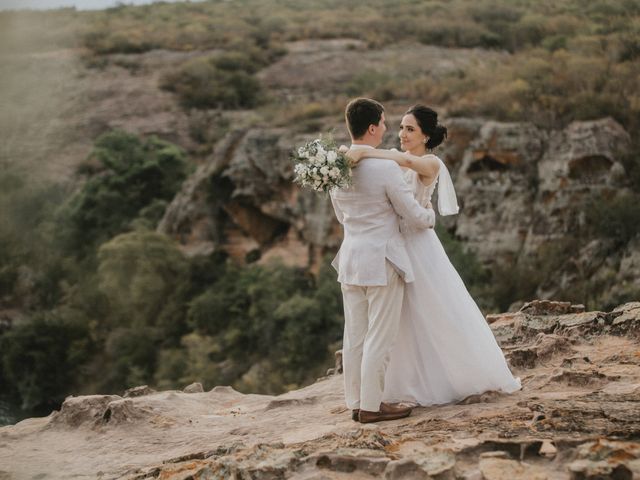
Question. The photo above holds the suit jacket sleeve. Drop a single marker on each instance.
(404, 203)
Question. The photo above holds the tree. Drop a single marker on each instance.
(133, 173)
(41, 358)
(145, 278)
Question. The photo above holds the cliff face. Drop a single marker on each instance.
(523, 189)
(576, 417)
(519, 188)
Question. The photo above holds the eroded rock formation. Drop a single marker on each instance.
(521, 189)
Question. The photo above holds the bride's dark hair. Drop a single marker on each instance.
(428, 122)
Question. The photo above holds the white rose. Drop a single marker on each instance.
(335, 171)
(324, 170)
(332, 156)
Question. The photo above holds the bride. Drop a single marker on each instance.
(445, 350)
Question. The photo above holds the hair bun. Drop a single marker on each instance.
(437, 136)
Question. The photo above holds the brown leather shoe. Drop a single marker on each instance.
(354, 415)
(386, 412)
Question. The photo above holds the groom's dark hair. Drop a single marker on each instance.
(360, 113)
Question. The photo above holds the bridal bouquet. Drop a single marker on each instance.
(320, 166)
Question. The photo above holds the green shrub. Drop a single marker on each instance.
(238, 61)
(202, 83)
(617, 218)
(270, 315)
(40, 359)
(630, 47)
(131, 355)
(365, 82)
(145, 277)
(105, 42)
(135, 174)
(513, 282)
(200, 358)
(555, 42)
(207, 127)
(457, 33)
(26, 239)
(631, 162)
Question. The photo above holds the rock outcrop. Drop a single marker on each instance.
(576, 417)
(242, 201)
(521, 189)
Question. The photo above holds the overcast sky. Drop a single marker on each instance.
(79, 4)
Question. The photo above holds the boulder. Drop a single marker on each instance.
(195, 387)
(86, 410)
(138, 391)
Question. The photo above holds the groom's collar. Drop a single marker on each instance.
(359, 146)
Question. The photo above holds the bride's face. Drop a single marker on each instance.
(411, 137)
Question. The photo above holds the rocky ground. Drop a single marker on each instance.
(577, 417)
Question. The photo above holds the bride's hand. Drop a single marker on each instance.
(354, 155)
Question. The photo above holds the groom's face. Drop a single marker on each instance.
(378, 131)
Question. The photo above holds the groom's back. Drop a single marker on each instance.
(370, 178)
(371, 230)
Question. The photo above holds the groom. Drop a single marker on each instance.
(372, 264)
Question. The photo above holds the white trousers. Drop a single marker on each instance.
(371, 322)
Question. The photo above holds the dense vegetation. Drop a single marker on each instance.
(111, 304)
(107, 303)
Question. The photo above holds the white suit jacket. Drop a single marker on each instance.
(369, 211)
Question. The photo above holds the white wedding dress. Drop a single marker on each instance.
(445, 350)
